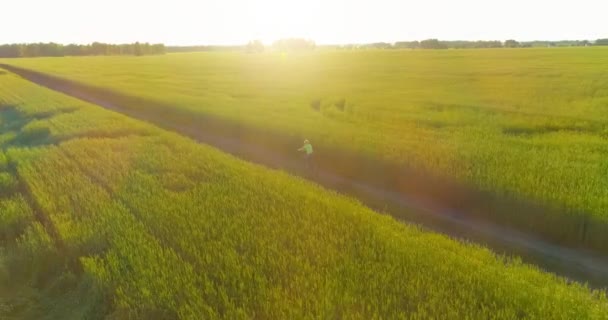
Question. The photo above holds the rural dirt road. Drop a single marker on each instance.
(434, 204)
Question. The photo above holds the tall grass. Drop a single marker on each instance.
(529, 122)
(129, 221)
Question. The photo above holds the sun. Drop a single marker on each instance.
(271, 20)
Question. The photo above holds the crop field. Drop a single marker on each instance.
(106, 216)
(524, 123)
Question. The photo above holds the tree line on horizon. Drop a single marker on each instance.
(463, 44)
(288, 44)
(298, 44)
(24, 50)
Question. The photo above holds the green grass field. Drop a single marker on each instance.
(529, 123)
(102, 215)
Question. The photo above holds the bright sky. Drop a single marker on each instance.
(183, 22)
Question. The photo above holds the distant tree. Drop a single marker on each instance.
(535, 44)
(511, 44)
(137, 49)
(433, 44)
(488, 44)
(379, 45)
(10, 51)
(126, 49)
(52, 50)
(601, 42)
(407, 45)
(95, 48)
(114, 50)
(72, 50)
(146, 49)
(461, 44)
(158, 48)
(30, 50)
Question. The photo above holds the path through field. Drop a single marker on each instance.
(438, 206)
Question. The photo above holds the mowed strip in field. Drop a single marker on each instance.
(105, 215)
(528, 123)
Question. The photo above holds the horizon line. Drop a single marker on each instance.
(319, 44)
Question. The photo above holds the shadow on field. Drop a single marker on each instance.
(15, 123)
(563, 242)
(14, 132)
